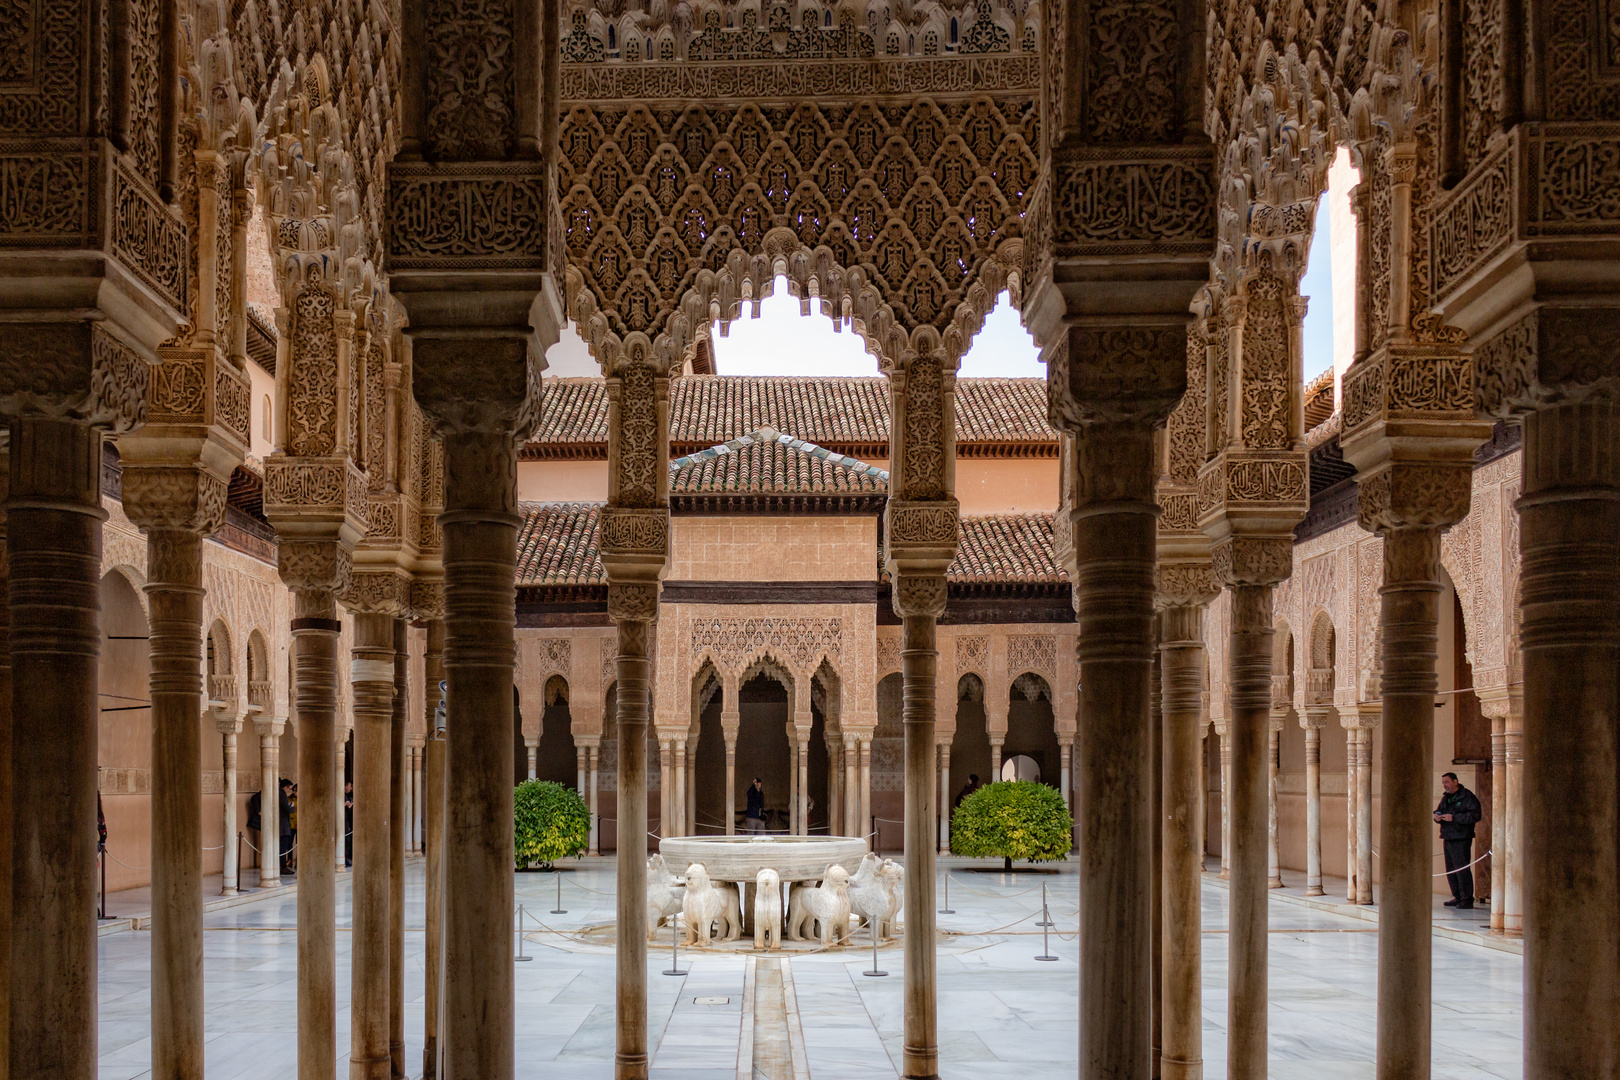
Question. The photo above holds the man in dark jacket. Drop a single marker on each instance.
(1457, 813)
(754, 815)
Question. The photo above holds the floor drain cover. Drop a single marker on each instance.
(711, 1001)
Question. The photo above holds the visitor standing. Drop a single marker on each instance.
(285, 819)
(754, 816)
(967, 789)
(1457, 813)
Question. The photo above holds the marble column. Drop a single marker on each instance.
(595, 750)
(479, 524)
(1223, 732)
(666, 758)
(1498, 842)
(399, 830)
(1181, 652)
(315, 629)
(1314, 720)
(731, 782)
(1352, 802)
(1273, 855)
(343, 769)
(1569, 519)
(1249, 654)
(371, 674)
(433, 787)
(175, 528)
(854, 823)
(865, 785)
(6, 736)
(579, 769)
(995, 760)
(230, 875)
(1409, 624)
(1364, 795)
(678, 800)
(1513, 836)
(945, 798)
(269, 801)
(53, 541)
(532, 746)
(1065, 759)
(634, 610)
(1114, 544)
(689, 785)
(919, 601)
(802, 746)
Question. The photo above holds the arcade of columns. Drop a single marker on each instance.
(1144, 180)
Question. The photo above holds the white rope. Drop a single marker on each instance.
(1444, 873)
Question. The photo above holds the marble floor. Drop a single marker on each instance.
(1002, 1013)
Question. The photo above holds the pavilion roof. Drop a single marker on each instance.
(848, 415)
(767, 461)
(558, 545)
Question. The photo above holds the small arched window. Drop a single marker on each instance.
(953, 31)
(612, 42)
(266, 418)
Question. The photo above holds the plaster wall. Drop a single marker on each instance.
(773, 548)
(562, 481)
(1007, 485)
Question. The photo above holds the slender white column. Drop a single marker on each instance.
(579, 770)
(678, 799)
(1273, 855)
(1513, 774)
(228, 729)
(793, 783)
(1352, 796)
(664, 788)
(371, 679)
(342, 826)
(533, 747)
(1223, 730)
(1065, 757)
(854, 823)
(803, 752)
(596, 816)
(866, 785)
(944, 798)
(269, 801)
(1313, 721)
(995, 759)
(1364, 793)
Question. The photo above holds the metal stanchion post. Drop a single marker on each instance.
(101, 857)
(947, 909)
(520, 955)
(1046, 929)
(674, 950)
(559, 909)
(872, 924)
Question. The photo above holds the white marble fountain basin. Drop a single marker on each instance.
(741, 858)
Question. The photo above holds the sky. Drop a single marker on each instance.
(782, 342)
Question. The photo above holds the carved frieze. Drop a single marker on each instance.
(1552, 354)
(1414, 495)
(779, 80)
(1148, 200)
(188, 499)
(635, 530)
(802, 642)
(484, 215)
(149, 237)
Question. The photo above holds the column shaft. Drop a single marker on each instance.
(666, 758)
(678, 800)
(1182, 663)
(1513, 833)
(269, 808)
(231, 873)
(480, 653)
(1273, 855)
(175, 596)
(343, 769)
(1570, 597)
(945, 798)
(1226, 800)
(803, 753)
(399, 828)
(919, 663)
(1250, 681)
(1352, 796)
(634, 667)
(854, 824)
(1364, 785)
(865, 784)
(1498, 839)
(596, 817)
(53, 540)
(315, 663)
(1409, 622)
(1114, 547)
(731, 784)
(372, 687)
(433, 782)
(1313, 809)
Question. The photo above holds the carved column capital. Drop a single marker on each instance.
(633, 602)
(313, 566)
(1184, 585)
(373, 590)
(1314, 716)
(427, 598)
(271, 726)
(1363, 717)
(1249, 560)
(919, 595)
(73, 371)
(1414, 495)
(183, 497)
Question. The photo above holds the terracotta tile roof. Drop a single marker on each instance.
(843, 413)
(767, 461)
(558, 544)
(1005, 548)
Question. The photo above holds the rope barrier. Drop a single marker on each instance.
(1444, 873)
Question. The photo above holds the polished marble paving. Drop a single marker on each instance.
(1001, 1012)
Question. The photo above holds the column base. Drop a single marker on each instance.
(1173, 1069)
(1315, 892)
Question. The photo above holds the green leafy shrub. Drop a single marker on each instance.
(1016, 819)
(549, 822)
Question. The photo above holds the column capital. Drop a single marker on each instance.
(377, 590)
(919, 595)
(228, 725)
(271, 726)
(1315, 716)
(1364, 716)
(1184, 585)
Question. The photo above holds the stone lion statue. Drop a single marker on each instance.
(664, 894)
(768, 910)
(826, 906)
(702, 905)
